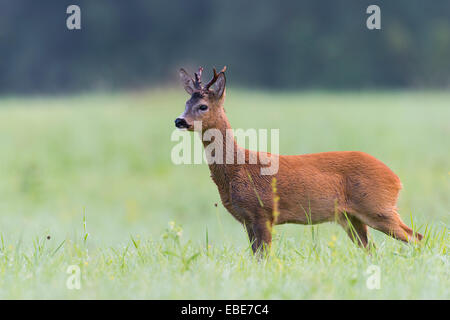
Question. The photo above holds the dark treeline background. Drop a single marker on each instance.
(288, 44)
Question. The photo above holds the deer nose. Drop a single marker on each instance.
(181, 123)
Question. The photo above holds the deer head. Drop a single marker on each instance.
(205, 103)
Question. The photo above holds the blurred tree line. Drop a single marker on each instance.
(289, 44)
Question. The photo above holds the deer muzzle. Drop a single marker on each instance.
(180, 123)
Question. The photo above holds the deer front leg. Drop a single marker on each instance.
(260, 236)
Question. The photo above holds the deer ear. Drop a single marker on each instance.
(187, 81)
(219, 86)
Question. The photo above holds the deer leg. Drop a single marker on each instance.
(356, 230)
(260, 236)
(250, 233)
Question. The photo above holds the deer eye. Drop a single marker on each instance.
(203, 107)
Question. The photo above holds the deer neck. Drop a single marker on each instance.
(222, 171)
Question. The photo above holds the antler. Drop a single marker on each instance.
(214, 79)
(198, 79)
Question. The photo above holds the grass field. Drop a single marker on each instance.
(88, 181)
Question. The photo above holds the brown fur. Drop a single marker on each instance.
(351, 188)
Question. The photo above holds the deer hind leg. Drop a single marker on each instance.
(356, 230)
(391, 224)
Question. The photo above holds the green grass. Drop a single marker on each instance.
(106, 157)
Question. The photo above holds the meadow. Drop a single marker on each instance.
(87, 180)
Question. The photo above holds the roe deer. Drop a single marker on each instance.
(351, 188)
